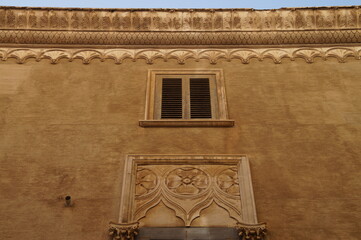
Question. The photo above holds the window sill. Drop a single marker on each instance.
(186, 123)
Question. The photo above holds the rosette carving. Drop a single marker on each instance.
(146, 181)
(187, 181)
(228, 181)
(188, 190)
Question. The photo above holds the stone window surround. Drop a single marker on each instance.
(150, 106)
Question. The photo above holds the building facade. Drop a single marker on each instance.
(180, 123)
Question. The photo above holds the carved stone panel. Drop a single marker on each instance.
(201, 191)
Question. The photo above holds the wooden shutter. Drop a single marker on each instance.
(200, 98)
(172, 98)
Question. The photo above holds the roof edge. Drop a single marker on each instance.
(178, 9)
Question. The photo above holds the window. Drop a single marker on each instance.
(186, 98)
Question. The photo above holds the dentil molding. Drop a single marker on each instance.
(119, 55)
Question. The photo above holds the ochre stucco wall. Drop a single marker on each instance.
(66, 128)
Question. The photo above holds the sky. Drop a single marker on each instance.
(257, 4)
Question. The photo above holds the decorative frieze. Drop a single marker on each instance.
(180, 19)
(119, 55)
(179, 27)
(178, 38)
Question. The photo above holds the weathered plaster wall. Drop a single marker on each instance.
(66, 128)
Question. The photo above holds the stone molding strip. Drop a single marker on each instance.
(118, 55)
(178, 39)
(71, 19)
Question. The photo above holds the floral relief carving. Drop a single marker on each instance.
(289, 21)
(192, 188)
(177, 20)
(11, 18)
(54, 20)
(218, 19)
(75, 21)
(228, 181)
(106, 24)
(247, 20)
(186, 189)
(44, 20)
(85, 21)
(21, 22)
(187, 181)
(136, 21)
(180, 27)
(203, 19)
(162, 21)
(33, 22)
(95, 21)
(146, 181)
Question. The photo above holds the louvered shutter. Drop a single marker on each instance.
(200, 98)
(171, 98)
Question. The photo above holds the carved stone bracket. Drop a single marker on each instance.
(123, 231)
(119, 55)
(251, 231)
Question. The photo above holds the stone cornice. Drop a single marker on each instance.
(178, 27)
(118, 55)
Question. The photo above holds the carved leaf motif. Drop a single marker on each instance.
(340, 54)
(21, 55)
(119, 55)
(149, 55)
(212, 56)
(307, 54)
(244, 55)
(87, 56)
(55, 55)
(181, 56)
(276, 55)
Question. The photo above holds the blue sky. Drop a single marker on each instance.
(258, 4)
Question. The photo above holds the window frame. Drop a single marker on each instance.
(185, 78)
(219, 104)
